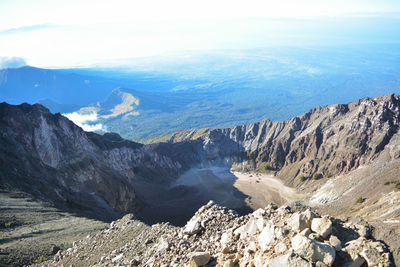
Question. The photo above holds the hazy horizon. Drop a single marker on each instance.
(65, 34)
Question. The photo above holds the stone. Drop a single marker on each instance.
(280, 248)
(260, 222)
(252, 247)
(306, 232)
(356, 262)
(322, 226)
(299, 221)
(266, 237)
(199, 258)
(313, 250)
(372, 257)
(228, 263)
(335, 242)
(192, 227)
(250, 228)
(117, 258)
(289, 259)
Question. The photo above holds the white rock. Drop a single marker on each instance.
(280, 248)
(260, 222)
(250, 228)
(117, 258)
(266, 237)
(299, 221)
(192, 227)
(313, 250)
(322, 226)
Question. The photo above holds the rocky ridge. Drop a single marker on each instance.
(326, 141)
(53, 159)
(217, 236)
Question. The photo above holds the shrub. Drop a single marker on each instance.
(387, 183)
(302, 178)
(268, 167)
(316, 176)
(40, 259)
(397, 186)
(360, 200)
(9, 224)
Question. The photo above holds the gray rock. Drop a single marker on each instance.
(335, 242)
(199, 258)
(306, 232)
(313, 250)
(289, 259)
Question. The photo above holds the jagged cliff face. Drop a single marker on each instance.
(327, 140)
(49, 156)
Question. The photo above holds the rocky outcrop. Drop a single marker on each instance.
(267, 237)
(323, 142)
(50, 157)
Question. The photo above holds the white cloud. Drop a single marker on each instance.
(82, 121)
(11, 62)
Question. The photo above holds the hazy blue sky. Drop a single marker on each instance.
(77, 33)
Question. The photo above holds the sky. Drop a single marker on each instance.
(70, 33)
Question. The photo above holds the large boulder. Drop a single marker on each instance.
(322, 226)
(313, 250)
(300, 221)
(266, 237)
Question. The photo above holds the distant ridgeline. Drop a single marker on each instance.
(218, 89)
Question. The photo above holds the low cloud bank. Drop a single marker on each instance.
(85, 121)
(11, 62)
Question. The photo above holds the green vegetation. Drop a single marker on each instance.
(397, 186)
(360, 200)
(40, 259)
(316, 176)
(10, 224)
(302, 178)
(268, 167)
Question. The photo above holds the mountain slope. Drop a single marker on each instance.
(327, 140)
(332, 156)
(50, 157)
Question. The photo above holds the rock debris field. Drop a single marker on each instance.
(217, 236)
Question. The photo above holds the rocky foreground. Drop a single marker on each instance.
(216, 236)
